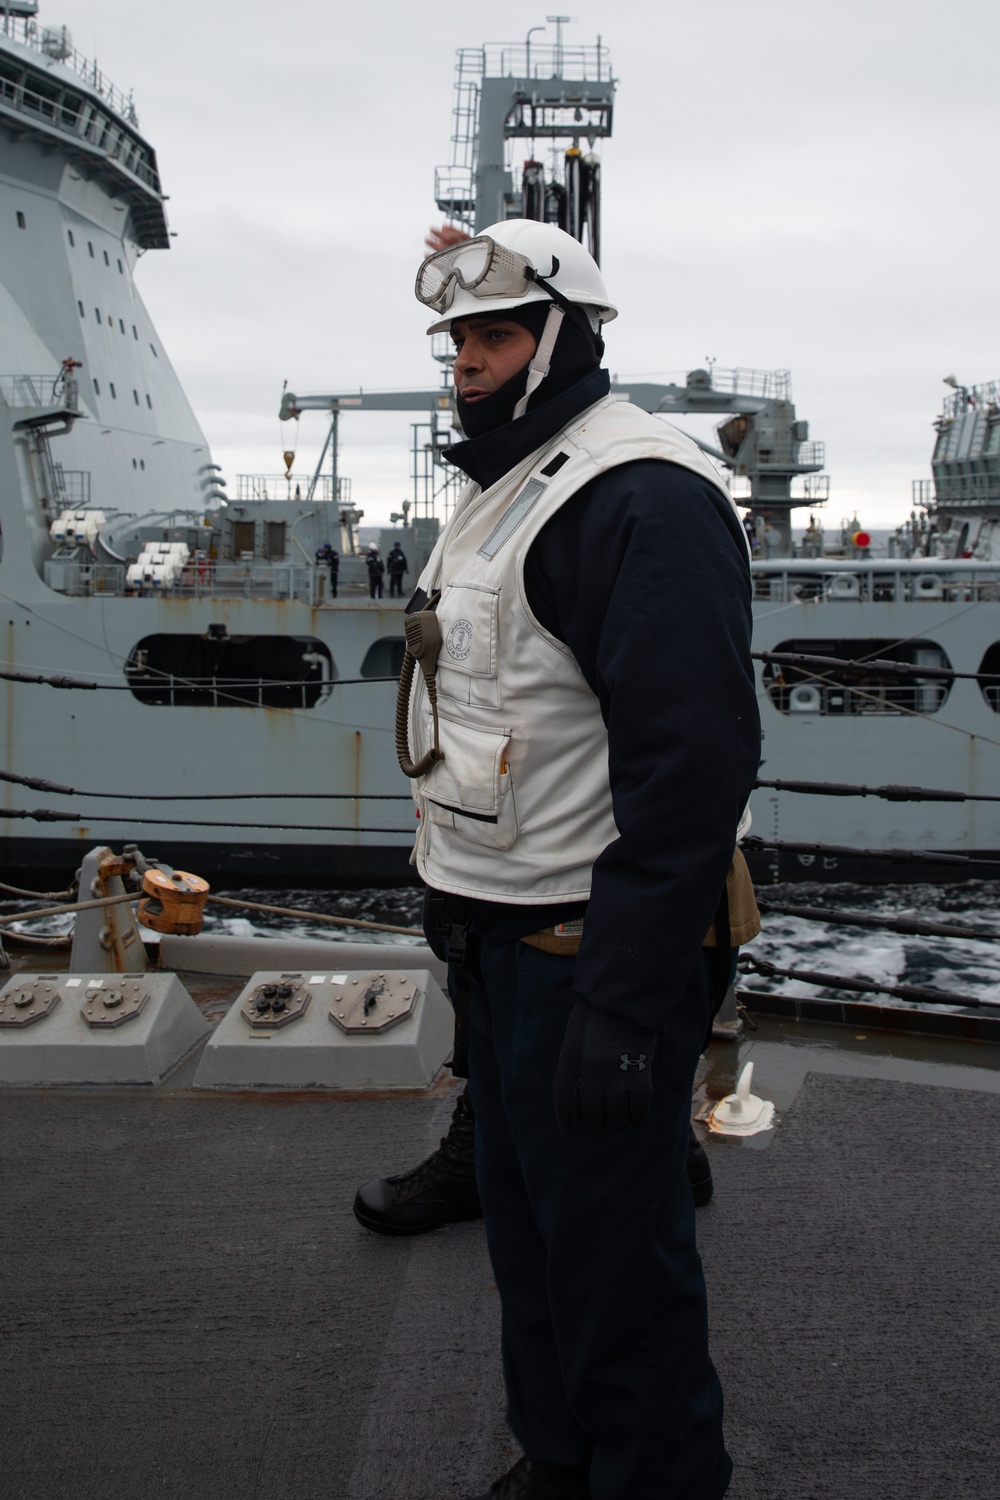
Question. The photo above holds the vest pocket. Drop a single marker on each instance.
(467, 663)
(470, 793)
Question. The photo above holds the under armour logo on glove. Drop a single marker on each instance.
(589, 1091)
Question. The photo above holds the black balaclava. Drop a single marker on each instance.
(577, 352)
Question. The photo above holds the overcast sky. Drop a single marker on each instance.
(789, 186)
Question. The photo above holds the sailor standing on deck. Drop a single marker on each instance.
(589, 756)
(398, 566)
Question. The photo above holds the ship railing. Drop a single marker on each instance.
(787, 453)
(72, 487)
(531, 60)
(85, 579)
(30, 390)
(985, 397)
(281, 487)
(54, 44)
(932, 580)
(77, 115)
(972, 490)
(205, 579)
(771, 385)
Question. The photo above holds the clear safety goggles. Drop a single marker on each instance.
(480, 266)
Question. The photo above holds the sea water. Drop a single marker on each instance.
(961, 966)
(965, 966)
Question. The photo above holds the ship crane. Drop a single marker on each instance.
(761, 439)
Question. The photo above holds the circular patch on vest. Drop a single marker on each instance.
(458, 642)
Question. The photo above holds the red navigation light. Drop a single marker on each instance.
(861, 539)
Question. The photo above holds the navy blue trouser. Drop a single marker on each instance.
(592, 1240)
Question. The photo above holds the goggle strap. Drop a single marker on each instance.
(571, 309)
(541, 360)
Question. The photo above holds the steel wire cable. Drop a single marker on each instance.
(889, 793)
(923, 994)
(755, 845)
(227, 686)
(909, 926)
(52, 815)
(877, 664)
(37, 784)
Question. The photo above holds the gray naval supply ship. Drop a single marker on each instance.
(213, 660)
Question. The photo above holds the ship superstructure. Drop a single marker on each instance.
(233, 690)
(205, 628)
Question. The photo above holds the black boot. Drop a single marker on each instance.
(442, 1190)
(531, 1481)
(699, 1171)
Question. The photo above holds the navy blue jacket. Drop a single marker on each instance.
(643, 574)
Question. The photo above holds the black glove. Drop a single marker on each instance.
(603, 1078)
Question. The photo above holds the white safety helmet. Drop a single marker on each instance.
(507, 265)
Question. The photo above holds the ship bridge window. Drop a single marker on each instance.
(384, 657)
(217, 670)
(835, 690)
(71, 239)
(990, 667)
(22, 222)
(90, 247)
(80, 306)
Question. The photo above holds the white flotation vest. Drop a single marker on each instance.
(520, 807)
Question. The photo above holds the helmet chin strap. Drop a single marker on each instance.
(541, 359)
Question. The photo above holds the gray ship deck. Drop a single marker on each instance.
(191, 1309)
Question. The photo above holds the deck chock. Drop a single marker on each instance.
(742, 1113)
(95, 1028)
(346, 1029)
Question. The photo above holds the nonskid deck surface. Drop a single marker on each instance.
(191, 1308)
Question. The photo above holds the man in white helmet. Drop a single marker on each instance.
(582, 757)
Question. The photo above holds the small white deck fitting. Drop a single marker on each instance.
(742, 1113)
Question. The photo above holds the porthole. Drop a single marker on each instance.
(111, 388)
(90, 247)
(97, 387)
(80, 306)
(384, 657)
(223, 671)
(22, 222)
(989, 668)
(860, 689)
(69, 234)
